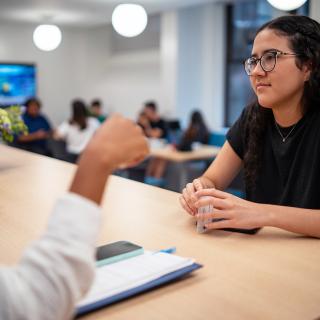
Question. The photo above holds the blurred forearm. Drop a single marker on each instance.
(90, 178)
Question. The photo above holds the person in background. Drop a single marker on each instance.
(77, 131)
(144, 123)
(95, 110)
(276, 139)
(154, 128)
(157, 126)
(56, 271)
(39, 129)
(197, 131)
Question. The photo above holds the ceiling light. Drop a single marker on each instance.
(287, 5)
(47, 37)
(129, 20)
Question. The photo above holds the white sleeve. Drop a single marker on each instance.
(94, 123)
(58, 269)
(63, 129)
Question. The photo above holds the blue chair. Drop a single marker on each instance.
(218, 137)
(174, 131)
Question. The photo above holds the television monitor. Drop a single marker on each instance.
(17, 83)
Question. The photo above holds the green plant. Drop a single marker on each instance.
(11, 123)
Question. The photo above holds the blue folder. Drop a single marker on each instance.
(139, 289)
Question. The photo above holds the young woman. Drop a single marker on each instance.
(77, 131)
(276, 139)
(197, 131)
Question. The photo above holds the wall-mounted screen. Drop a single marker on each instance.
(17, 83)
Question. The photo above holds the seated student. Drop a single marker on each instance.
(276, 139)
(157, 126)
(95, 111)
(154, 127)
(144, 123)
(197, 131)
(57, 270)
(77, 131)
(39, 129)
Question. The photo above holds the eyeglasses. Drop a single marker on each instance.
(267, 61)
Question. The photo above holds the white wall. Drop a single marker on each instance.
(315, 9)
(84, 66)
(201, 63)
(122, 79)
(176, 62)
(124, 72)
(214, 68)
(169, 57)
(57, 83)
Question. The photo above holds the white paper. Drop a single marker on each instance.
(121, 276)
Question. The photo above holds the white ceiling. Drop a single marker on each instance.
(79, 12)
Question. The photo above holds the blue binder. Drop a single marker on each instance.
(139, 289)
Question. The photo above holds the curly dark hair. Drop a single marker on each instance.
(303, 34)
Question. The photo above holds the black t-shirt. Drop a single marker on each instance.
(290, 170)
(160, 124)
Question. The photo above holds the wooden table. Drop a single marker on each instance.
(271, 275)
(202, 153)
(179, 160)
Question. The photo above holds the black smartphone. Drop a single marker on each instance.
(117, 251)
(246, 231)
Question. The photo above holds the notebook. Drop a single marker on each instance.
(123, 279)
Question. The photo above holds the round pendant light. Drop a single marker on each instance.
(287, 5)
(129, 20)
(47, 37)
